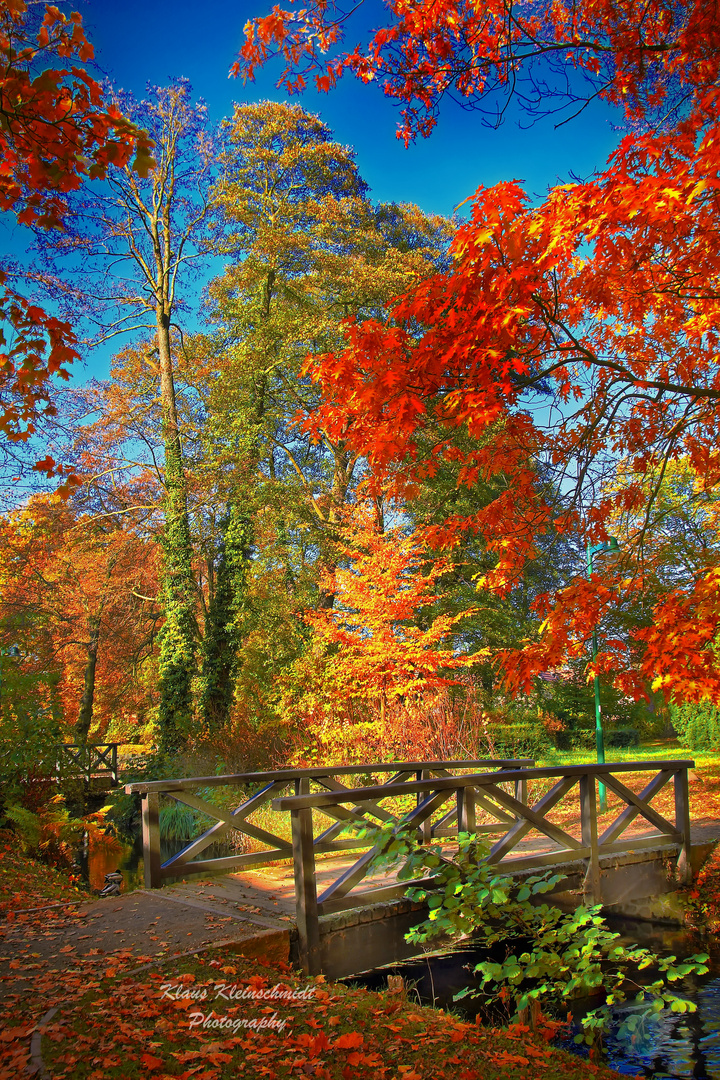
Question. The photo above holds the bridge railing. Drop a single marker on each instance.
(85, 760)
(488, 791)
(270, 785)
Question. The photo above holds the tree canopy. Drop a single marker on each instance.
(362, 470)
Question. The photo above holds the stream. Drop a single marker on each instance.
(671, 1045)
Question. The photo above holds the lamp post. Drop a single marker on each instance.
(598, 549)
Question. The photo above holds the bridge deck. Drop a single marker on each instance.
(267, 896)
(250, 912)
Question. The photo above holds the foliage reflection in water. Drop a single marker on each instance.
(95, 863)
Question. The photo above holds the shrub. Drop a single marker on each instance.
(697, 724)
(520, 740)
(622, 737)
(538, 954)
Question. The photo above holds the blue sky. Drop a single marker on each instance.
(141, 41)
(137, 41)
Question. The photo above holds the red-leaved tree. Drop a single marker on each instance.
(55, 133)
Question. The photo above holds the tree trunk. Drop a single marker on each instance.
(84, 720)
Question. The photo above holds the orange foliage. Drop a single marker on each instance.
(386, 647)
(56, 133)
(63, 577)
(379, 656)
(604, 301)
(633, 53)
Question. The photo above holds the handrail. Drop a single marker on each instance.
(141, 787)
(516, 818)
(300, 802)
(185, 861)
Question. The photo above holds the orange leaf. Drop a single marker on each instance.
(151, 1062)
(349, 1041)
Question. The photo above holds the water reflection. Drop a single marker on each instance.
(672, 1045)
(709, 1007)
(96, 861)
(675, 1045)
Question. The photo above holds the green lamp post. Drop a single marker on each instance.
(599, 549)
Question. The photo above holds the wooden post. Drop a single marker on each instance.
(682, 823)
(114, 763)
(151, 839)
(466, 809)
(305, 884)
(521, 793)
(588, 818)
(425, 827)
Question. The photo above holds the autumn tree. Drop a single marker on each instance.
(309, 250)
(57, 134)
(383, 641)
(605, 294)
(305, 249)
(74, 598)
(125, 262)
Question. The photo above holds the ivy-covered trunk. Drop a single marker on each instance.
(178, 634)
(223, 630)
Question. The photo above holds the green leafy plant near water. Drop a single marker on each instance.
(540, 957)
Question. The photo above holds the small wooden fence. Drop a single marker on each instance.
(87, 760)
(513, 818)
(272, 784)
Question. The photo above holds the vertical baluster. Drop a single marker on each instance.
(682, 824)
(588, 818)
(151, 839)
(466, 809)
(521, 793)
(425, 827)
(305, 884)
(114, 763)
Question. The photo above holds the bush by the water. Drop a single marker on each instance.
(538, 955)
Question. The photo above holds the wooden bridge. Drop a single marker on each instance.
(538, 817)
(87, 761)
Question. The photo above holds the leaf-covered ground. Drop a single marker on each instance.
(208, 1017)
(26, 883)
(213, 1017)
